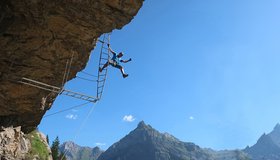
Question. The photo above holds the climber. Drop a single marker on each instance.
(115, 62)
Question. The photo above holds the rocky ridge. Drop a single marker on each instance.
(144, 142)
(75, 152)
(147, 143)
(267, 146)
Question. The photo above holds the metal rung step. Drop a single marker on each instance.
(101, 81)
(103, 42)
(100, 86)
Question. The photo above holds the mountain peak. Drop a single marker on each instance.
(267, 146)
(141, 125)
(69, 145)
(277, 127)
(74, 151)
(145, 142)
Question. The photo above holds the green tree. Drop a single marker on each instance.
(55, 149)
(48, 139)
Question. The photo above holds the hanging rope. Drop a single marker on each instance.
(65, 72)
(80, 128)
(88, 74)
(64, 110)
(90, 80)
(69, 68)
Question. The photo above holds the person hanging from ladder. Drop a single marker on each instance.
(115, 62)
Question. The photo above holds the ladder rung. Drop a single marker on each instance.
(100, 86)
(101, 83)
(101, 41)
(103, 80)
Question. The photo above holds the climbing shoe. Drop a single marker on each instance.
(125, 75)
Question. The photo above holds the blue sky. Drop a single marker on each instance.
(205, 71)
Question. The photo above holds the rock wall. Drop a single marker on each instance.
(13, 144)
(37, 37)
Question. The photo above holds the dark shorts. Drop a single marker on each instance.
(114, 64)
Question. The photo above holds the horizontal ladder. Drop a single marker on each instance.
(58, 90)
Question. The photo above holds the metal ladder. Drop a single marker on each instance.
(103, 59)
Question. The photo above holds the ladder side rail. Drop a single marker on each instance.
(108, 57)
(40, 87)
(100, 63)
(40, 83)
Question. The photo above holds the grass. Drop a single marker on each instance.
(38, 147)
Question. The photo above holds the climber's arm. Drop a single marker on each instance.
(125, 61)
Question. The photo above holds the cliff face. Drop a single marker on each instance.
(37, 37)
